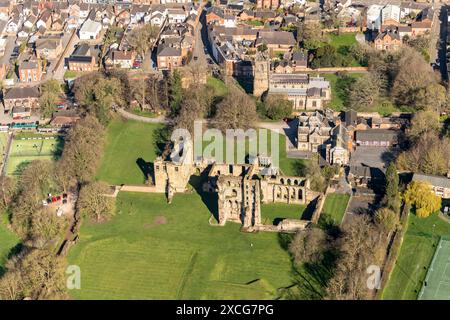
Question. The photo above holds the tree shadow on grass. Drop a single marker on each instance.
(327, 223)
(146, 168)
(210, 199)
(12, 252)
(309, 280)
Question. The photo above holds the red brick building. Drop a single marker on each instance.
(30, 71)
(267, 4)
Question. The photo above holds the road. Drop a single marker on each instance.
(435, 33)
(10, 44)
(442, 43)
(200, 44)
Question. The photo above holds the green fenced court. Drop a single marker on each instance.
(437, 282)
(24, 151)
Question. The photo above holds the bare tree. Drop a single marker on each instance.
(94, 201)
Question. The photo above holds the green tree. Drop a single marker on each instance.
(364, 94)
(392, 196)
(175, 92)
(278, 107)
(50, 95)
(386, 219)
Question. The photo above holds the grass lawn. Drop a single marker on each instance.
(70, 74)
(7, 241)
(415, 256)
(24, 151)
(334, 208)
(127, 142)
(255, 23)
(219, 86)
(152, 250)
(145, 113)
(3, 142)
(343, 39)
(273, 211)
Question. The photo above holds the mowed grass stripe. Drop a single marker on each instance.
(156, 258)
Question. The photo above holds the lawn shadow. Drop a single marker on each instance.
(310, 280)
(210, 199)
(58, 147)
(12, 252)
(146, 168)
(327, 223)
(308, 212)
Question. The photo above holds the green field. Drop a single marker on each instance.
(220, 88)
(437, 281)
(7, 241)
(416, 253)
(127, 142)
(333, 210)
(273, 211)
(3, 142)
(152, 250)
(343, 39)
(24, 151)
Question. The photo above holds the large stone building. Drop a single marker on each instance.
(305, 92)
(323, 133)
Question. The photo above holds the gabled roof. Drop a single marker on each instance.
(437, 181)
(22, 93)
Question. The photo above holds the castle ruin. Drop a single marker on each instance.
(240, 188)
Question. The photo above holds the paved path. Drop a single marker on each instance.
(132, 116)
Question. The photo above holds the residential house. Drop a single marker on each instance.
(388, 40)
(45, 20)
(30, 70)
(49, 47)
(82, 59)
(439, 185)
(19, 112)
(373, 17)
(90, 30)
(13, 25)
(64, 118)
(21, 97)
(120, 59)
(5, 8)
(267, 4)
(215, 15)
(176, 15)
(390, 16)
(169, 57)
(276, 41)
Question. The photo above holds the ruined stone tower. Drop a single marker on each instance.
(261, 74)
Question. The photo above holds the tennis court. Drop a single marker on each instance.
(24, 151)
(437, 282)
